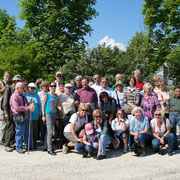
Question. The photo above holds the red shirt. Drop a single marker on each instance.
(139, 84)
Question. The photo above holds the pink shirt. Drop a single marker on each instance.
(18, 103)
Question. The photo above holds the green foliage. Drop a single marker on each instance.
(102, 60)
(162, 19)
(59, 27)
(174, 64)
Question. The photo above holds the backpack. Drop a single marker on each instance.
(136, 148)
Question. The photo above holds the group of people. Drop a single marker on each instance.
(87, 116)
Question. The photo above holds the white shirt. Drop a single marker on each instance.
(78, 123)
(67, 103)
(96, 87)
(117, 127)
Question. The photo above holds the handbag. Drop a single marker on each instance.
(20, 118)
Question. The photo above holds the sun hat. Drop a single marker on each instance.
(17, 78)
(89, 128)
(31, 85)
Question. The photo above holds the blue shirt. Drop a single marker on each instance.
(37, 112)
(136, 126)
(51, 104)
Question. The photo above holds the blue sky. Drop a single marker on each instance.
(117, 23)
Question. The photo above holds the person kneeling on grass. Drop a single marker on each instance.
(89, 138)
(120, 127)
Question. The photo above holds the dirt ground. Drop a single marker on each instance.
(41, 165)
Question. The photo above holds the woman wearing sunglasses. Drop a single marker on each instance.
(73, 129)
(49, 110)
(101, 128)
(161, 128)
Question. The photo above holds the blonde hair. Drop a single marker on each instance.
(162, 114)
(156, 78)
(44, 83)
(83, 106)
(147, 86)
(97, 111)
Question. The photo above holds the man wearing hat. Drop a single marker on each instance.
(58, 80)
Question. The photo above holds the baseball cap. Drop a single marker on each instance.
(58, 73)
(89, 128)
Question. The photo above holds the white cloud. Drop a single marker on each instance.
(111, 42)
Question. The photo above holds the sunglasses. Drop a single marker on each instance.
(52, 85)
(96, 78)
(84, 110)
(59, 76)
(158, 114)
(32, 88)
(97, 116)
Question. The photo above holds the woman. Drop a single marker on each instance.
(61, 89)
(73, 129)
(156, 84)
(44, 89)
(38, 85)
(120, 127)
(108, 107)
(164, 95)
(35, 116)
(131, 94)
(139, 128)
(161, 128)
(67, 108)
(149, 102)
(100, 127)
(118, 95)
(49, 110)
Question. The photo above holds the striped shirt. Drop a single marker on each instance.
(132, 95)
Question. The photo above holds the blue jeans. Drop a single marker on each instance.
(104, 139)
(19, 136)
(83, 148)
(143, 138)
(175, 119)
(168, 139)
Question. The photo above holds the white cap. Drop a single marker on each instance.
(68, 86)
(31, 85)
(58, 73)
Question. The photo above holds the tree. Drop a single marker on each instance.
(102, 60)
(137, 56)
(58, 27)
(174, 64)
(162, 19)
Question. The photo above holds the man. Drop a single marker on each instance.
(78, 84)
(119, 77)
(4, 84)
(18, 104)
(104, 87)
(87, 95)
(139, 82)
(10, 127)
(58, 80)
(97, 83)
(174, 109)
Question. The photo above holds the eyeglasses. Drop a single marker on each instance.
(96, 78)
(158, 114)
(84, 110)
(52, 85)
(97, 116)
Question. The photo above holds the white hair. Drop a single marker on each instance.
(137, 71)
(19, 85)
(78, 77)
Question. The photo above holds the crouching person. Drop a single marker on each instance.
(161, 128)
(120, 127)
(101, 128)
(20, 109)
(139, 128)
(73, 129)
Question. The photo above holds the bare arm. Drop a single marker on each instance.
(43, 108)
